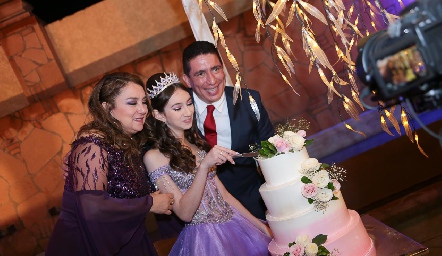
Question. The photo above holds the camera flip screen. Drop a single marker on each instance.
(402, 67)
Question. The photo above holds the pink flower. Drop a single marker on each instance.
(302, 133)
(281, 145)
(297, 250)
(336, 185)
(309, 190)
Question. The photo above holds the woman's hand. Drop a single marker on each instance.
(162, 203)
(217, 156)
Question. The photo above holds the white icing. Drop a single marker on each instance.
(282, 168)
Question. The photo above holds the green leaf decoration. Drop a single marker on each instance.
(308, 142)
(286, 254)
(310, 201)
(335, 198)
(330, 186)
(291, 244)
(322, 251)
(324, 165)
(319, 239)
(305, 180)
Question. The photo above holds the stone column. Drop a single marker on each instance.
(31, 59)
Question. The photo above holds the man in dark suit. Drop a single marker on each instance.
(237, 126)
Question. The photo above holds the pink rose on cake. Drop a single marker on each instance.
(296, 250)
(336, 185)
(281, 145)
(309, 190)
(303, 246)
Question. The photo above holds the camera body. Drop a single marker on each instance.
(405, 61)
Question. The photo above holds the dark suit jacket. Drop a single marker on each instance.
(242, 180)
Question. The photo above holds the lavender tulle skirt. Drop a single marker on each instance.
(235, 237)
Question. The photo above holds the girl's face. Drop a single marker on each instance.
(178, 112)
(130, 108)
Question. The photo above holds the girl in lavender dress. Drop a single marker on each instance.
(216, 223)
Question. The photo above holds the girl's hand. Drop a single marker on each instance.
(218, 155)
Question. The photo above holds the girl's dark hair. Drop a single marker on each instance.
(162, 138)
(104, 124)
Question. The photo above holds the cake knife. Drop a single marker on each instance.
(251, 154)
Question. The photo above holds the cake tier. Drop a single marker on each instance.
(282, 168)
(350, 239)
(285, 199)
(308, 221)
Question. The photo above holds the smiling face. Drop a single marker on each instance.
(130, 108)
(178, 112)
(206, 77)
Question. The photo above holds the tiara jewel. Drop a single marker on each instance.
(163, 84)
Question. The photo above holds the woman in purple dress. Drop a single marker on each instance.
(106, 196)
(216, 223)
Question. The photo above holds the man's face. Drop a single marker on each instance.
(206, 77)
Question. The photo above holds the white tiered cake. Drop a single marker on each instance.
(290, 214)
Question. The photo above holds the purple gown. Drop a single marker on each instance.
(216, 228)
(104, 206)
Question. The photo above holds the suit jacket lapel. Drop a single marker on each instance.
(234, 126)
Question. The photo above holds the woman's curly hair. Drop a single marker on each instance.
(161, 137)
(104, 124)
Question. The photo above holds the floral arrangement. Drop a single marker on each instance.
(289, 137)
(321, 182)
(303, 246)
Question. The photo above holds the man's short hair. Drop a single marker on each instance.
(195, 49)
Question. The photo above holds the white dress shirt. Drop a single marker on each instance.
(221, 115)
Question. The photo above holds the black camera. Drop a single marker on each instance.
(405, 60)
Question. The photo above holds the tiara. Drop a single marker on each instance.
(163, 84)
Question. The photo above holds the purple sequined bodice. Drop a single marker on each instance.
(212, 209)
(96, 165)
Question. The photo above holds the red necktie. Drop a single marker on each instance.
(210, 126)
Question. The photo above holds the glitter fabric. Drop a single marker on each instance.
(96, 165)
(212, 209)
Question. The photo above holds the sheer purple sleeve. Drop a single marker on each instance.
(113, 226)
(89, 167)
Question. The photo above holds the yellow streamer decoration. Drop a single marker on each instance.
(351, 129)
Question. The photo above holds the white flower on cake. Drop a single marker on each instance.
(324, 194)
(295, 140)
(311, 249)
(303, 246)
(321, 183)
(303, 240)
(288, 138)
(311, 164)
(321, 179)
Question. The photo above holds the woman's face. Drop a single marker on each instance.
(178, 112)
(131, 108)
